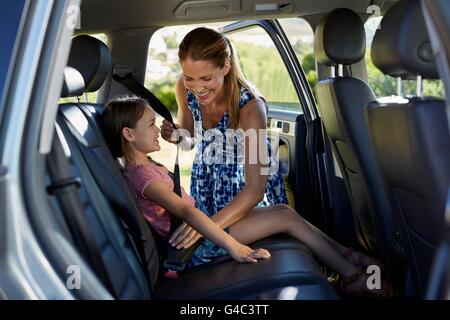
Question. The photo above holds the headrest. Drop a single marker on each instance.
(340, 38)
(92, 59)
(401, 47)
(73, 84)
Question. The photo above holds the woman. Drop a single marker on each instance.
(213, 96)
(213, 99)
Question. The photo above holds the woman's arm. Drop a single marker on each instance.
(252, 117)
(177, 206)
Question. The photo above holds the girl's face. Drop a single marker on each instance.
(145, 135)
(204, 79)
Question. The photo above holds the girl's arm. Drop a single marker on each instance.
(159, 192)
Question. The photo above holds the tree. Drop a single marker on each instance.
(309, 67)
(165, 91)
(383, 85)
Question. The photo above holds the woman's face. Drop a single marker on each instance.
(146, 133)
(204, 79)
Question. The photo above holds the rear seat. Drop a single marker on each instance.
(107, 198)
(104, 167)
(109, 176)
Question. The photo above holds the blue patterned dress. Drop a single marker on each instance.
(218, 172)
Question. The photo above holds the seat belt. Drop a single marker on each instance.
(176, 259)
(64, 187)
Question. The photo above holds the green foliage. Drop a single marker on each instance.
(265, 69)
(165, 91)
(91, 97)
(433, 88)
(309, 63)
(383, 85)
(171, 41)
(186, 171)
(263, 66)
(311, 76)
(309, 67)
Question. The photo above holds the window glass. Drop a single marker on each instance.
(301, 38)
(262, 65)
(162, 71)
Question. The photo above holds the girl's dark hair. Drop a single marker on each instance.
(120, 112)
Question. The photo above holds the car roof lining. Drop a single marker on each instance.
(144, 13)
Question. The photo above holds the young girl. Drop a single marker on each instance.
(129, 124)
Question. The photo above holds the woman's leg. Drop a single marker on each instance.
(269, 209)
(356, 257)
(263, 222)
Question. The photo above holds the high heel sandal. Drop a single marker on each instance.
(361, 259)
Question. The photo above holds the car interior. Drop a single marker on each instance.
(392, 154)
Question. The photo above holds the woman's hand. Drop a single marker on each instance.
(184, 236)
(167, 130)
(242, 253)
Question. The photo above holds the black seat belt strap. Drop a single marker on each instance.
(132, 227)
(65, 188)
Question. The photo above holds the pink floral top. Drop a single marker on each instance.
(138, 178)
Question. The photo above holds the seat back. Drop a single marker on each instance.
(340, 41)
(123, 271)
(411, 135)
(92, 58)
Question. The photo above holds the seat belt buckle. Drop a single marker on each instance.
(174, 266)
(63, 183)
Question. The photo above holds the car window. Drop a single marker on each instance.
(162, 71)
(301, 38)
(262, 65)
(384, 85)
(10, 17)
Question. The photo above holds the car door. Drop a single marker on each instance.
(268, 60)
(35, 257)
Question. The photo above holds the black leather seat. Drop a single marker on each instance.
(108, 199)
(411, 137)
(340, 40)
(123, 267)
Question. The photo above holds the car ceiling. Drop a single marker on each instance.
(103, 16)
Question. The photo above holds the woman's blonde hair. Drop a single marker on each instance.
(210, 45)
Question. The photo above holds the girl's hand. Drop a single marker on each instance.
(242, 253)
(167, 130)
(184, 236)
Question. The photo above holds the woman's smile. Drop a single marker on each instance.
(203, 96)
